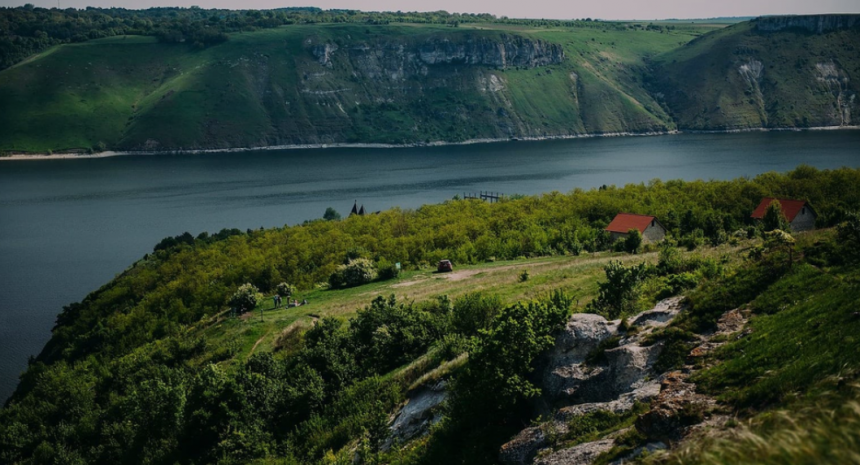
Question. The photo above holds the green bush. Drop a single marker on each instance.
(489, 399)
(475, 311)
(285, 290)
(355, 272)
(331, 214)
(245, 298)
(677, 344)
(774, 218)
(387, 270)
(618, 295)
(633, 241)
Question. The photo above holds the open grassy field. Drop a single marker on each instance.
(261, 329)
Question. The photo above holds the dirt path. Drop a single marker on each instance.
(256, 344)
(459, 275)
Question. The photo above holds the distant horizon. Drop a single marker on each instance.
(610, 10)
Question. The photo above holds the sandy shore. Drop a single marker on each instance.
(66, 156)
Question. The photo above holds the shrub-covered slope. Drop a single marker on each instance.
(153, 368)
(764, 73)
(304, 84)
(411, 83)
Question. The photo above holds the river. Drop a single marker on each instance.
(69, 226)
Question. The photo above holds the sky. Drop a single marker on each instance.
(554, 9)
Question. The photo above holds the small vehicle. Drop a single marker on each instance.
(444, 266)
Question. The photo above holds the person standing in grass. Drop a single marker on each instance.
(275, 300)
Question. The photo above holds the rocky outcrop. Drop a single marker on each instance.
(582, 454)
(568, 380)
(421, 411)
(677, 408)
(400, 59)
(818, 24)
(506, 51)
(323, 53)
(838, 83)
(623, 376)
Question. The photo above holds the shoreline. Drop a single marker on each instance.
(111, 153)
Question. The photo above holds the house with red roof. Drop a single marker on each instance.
(648, 226)
(799, 213)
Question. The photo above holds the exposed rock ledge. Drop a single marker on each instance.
(399, 58)
(626, 376)
(676, 410)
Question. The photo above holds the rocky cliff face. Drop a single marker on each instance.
(573, 387)
(776, 72)
(400, 57)
(818, 24)
(624, 377)
(398, 60)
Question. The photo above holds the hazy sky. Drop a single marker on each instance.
(605, 9)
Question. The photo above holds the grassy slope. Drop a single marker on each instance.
(78, 95)
(792, 378)
(266, 88)
(705, 90)
(580, 274)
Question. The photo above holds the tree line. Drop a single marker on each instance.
(27, 30)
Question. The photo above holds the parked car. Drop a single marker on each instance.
(444, 266)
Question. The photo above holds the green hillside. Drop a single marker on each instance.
(154, 367)
(417, 83)
(742, 77)
(268, 88)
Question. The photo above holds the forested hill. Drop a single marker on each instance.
(181, 360)
(169, 78)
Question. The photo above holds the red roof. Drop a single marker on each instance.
(790, 208)
(624, 222)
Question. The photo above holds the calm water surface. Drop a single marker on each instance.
(69, 226)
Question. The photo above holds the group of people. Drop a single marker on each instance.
(295, 303)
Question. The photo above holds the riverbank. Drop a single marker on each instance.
(110, 153)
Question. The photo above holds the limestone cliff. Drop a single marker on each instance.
(774, 72)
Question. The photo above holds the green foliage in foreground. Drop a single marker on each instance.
(129, 376)
(618, 294)
(824, 429)
(805, 328)
(182, 284)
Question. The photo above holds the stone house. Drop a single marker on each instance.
(799, 213)
(649, 226)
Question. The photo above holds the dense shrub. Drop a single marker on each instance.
(475, 311)
(633, 241)
(618, 295)
(285, 290)
(245, 298)
(388, 270)
(490, 398)
(355, 272)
